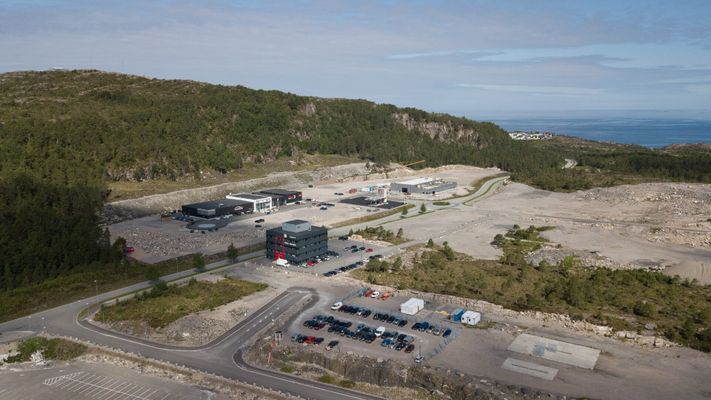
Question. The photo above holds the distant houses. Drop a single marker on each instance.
(520, 135)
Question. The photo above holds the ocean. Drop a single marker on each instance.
(649, 132)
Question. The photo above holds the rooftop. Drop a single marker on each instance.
(217, 203)
(416, 181)
(247, 196)
(279, 191)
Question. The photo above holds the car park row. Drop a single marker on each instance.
(422, 326)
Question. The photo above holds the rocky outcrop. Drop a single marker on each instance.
(445, 131)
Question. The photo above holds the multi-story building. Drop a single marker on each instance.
(296, 241)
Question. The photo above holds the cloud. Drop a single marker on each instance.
(537, 90)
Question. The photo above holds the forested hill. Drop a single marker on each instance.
(80, 126)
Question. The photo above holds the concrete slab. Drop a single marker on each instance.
(528, 368)
(555, 350)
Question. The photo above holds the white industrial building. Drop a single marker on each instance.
(471, 318)
(259, 202)
(422, 186)
(412, 306)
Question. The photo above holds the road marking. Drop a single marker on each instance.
(102, 388)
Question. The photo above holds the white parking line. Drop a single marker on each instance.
(100, 387)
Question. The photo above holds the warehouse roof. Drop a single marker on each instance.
(282, 192)
(247, 196)
(217, 203)
(417, 181)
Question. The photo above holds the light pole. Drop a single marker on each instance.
(96, 284)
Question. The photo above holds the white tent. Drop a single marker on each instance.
(412, 306)
(471, 318)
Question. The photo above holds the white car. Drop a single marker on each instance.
(375, 295)
(379, 332)
(336, 306)
(419, 359)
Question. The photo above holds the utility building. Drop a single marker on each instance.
(281, 197)
(296, 241)
(422, 186)
(260, 203)
(217, 208)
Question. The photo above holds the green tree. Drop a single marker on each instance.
(232, 252)
(152, 274)
(396, 265)
(430, 243)
(404, 212)
(423, 209)
(399, 233)
(199, 262)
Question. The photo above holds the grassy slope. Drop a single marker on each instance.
(160, 307)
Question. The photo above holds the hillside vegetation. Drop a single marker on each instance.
(623, 299)
(64, 135)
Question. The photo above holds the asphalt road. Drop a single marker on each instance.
(223, 356)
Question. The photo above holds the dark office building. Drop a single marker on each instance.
(296, 241)
(217, 208)
(282, 197)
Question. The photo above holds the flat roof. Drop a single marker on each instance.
(416, 181)
(312, 231)
(282, 192)
(297, 222)
(249, 196)
(217, 203)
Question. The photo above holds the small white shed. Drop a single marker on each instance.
(471, 318)
(412, 306)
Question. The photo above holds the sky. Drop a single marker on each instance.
(488, 58)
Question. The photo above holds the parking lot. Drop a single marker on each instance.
(372, 327)
(92, 382)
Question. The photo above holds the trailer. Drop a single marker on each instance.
(471, 318)
(456, 315)
(412, 306)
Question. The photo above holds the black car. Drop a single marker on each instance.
(402, 323)
(447, 332)
(391, 319)
(366, 313)
(400, 346)
(424, 326)
(416, 326)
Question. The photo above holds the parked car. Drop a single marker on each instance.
(436, 332)
(260, 220)
(332, 344)
(375, 295)
(318, 340)
(379, 332)
(256, 226)
(409, 348)
(400, 346)
(419, 358)
(336, 306)
(447, 332)
(368, 250)
(130, 249)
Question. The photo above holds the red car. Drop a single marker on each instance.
(310, 340)
(409, 348)
(310, 263)
(368, 292)
(130, 249)
(369, 250)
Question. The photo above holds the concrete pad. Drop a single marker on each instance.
(555, 350)
(528, 368)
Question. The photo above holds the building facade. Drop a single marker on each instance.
(260, 203)
(281, 197)
(296, 241)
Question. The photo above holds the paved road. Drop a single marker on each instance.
(221, 357)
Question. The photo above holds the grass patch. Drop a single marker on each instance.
(165, 304)
(371, 217)
(51, 349)
(440, 203)
(380, 233)
(327, 379)
(287, 369)
(79, 284)
(346, 383)
(482, 325)
(622, 299)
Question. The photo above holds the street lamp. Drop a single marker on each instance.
(96, 284)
